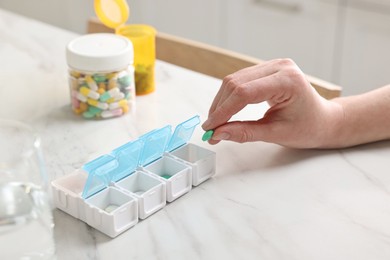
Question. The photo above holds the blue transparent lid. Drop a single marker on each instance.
(155, 143)
(183, 133)
(128, 157)
(99, 174)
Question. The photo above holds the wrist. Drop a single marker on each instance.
(333, 133)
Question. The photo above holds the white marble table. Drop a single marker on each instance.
(265, 201)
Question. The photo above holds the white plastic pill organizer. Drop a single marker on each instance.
(113, 191)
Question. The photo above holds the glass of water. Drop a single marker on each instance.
(26, 222)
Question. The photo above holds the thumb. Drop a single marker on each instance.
(242, 132)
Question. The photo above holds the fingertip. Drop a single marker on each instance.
(206, 125)
(213, 142)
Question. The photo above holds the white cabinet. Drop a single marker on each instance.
(304, 30)
(377, 6)
(365, 60)
(45, 10)
(69, 14)
(197, 20)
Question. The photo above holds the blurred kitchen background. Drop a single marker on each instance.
(342, 41)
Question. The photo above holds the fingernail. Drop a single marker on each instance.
(221, 136)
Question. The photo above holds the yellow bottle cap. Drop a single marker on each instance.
(112, 13)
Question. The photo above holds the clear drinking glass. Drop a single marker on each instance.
(26, 222)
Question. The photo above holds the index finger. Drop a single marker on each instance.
(256, 91)
(242, 76)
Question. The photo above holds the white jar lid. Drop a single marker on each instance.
(99, 52)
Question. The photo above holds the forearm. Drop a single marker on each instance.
(366, 118)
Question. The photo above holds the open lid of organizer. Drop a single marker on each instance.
(155, 143)
(128, 156)
(183, 133)
(100, 173)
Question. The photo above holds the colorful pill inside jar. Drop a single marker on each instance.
(101, 72)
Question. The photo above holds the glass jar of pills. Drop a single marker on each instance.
(101, 75)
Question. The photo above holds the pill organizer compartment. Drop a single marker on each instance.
(67, 193)
(201, 160)
(149, 190)
(111, 211)
(107, 208)
(175, 174)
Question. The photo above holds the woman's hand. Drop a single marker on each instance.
(298, 116)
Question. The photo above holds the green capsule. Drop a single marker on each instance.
(125, 80)
(99, 78)
(127, 94)
(207, 135)
(166, 176)
(105, 96)
(94, 110)
(88, 115)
